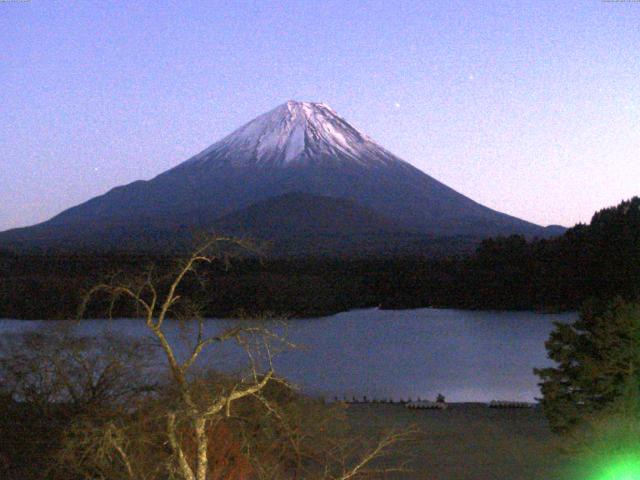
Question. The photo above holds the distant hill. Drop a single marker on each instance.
(297, 224)
(304, 213)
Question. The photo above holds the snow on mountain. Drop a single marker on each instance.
(296, 133)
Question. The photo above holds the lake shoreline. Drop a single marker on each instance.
(545, 310)
(464, 355)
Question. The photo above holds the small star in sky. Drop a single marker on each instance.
(396, 104)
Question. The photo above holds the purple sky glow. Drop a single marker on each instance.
(529, 107)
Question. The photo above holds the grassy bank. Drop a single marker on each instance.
(470, 441)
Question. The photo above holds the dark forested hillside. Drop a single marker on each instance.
(601, 259)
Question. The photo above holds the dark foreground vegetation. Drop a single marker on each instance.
(599, 260)
(159, 408)
(79, 407)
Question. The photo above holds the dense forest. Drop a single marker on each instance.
(601, 259)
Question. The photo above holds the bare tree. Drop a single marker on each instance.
(321, 444)
(54, 365)
(102, 407)
(52, 376)
(204, 410)
(194, 408)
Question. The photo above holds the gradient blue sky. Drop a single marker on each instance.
(529, 107)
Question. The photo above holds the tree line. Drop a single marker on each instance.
(600, 259)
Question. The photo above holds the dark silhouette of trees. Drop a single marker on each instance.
(598, 360)
(51, 377)
(600, 260)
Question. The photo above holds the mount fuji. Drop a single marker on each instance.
(299, 161)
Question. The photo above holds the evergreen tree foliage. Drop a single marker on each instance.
(597, 357)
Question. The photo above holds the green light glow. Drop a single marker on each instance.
(625, 468)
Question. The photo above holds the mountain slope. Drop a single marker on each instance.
(302, 147)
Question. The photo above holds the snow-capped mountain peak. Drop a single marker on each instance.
(294, 133)
(298, 147)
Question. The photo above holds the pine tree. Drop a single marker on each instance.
(597, 356)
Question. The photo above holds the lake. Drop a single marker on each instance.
(465, 355)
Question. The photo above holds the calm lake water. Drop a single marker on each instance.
(465, 355)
